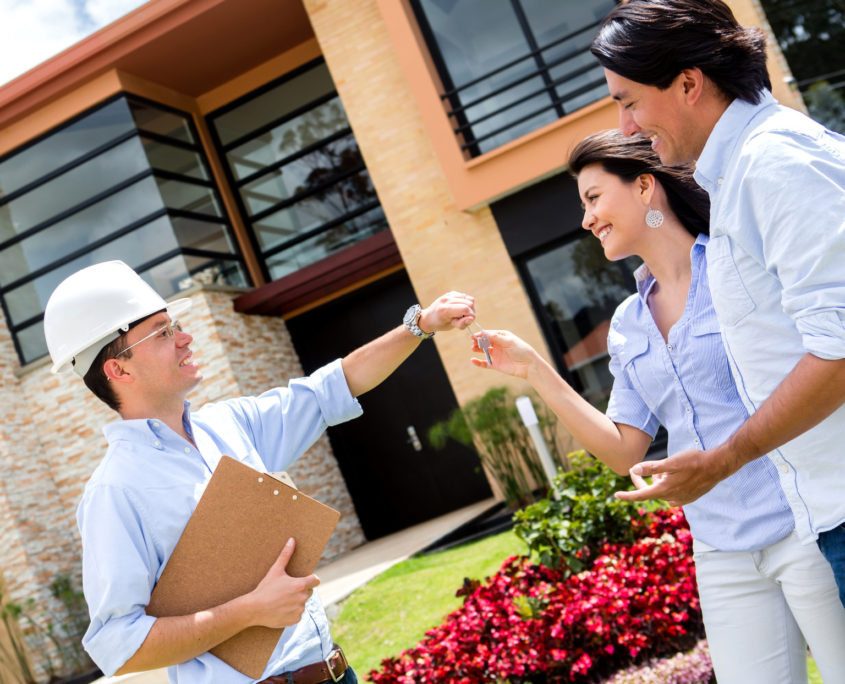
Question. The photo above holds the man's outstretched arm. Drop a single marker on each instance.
(370, 365)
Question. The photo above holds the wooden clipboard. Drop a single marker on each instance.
(235, 534)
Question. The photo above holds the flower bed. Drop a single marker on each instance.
(694, 667)
(531, 623)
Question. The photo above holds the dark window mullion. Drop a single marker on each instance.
(167, 140)
(67, 124)
(82, 251)
(197, 216)
(55, 173)
(307, 235)
(266, 128)
(513, 123)
(514, 62)
(533, 74)
(296, 155)
(211, 254)
(77, 208)
(230, 178)
(181, 178)
(307, 193)
(557, 100)
(537, 53)
(455, 110)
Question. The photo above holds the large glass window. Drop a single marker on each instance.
(302, 185)
(578, 289)
(509, 67)
(127, 180)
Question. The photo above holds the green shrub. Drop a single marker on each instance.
(491, 424)
(579, 515)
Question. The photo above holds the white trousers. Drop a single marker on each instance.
(759, 607)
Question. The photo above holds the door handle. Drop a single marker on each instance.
(413, 440)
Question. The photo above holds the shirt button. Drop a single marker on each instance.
(720, 181)
(784, 468)
(187, 450)
(156, 443)
(669, 347)
(156, 424)
(697, 442)
(675, 378)
(689, 410)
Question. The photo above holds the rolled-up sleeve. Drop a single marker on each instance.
(803, 232)
(117, 576)
(284, 422)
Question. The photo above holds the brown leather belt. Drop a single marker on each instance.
(329, 670)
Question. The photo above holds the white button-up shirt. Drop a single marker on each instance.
(776, 262)
(685, 385)
(140, 497)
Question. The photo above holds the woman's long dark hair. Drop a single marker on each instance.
(631, 157)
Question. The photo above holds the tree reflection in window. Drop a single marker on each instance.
(578, 290)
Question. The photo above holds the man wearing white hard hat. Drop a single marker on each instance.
(106, 324)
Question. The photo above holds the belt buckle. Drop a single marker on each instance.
(335, 652)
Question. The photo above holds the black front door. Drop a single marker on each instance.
(393, 485)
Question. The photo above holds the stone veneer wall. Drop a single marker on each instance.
(51, 440)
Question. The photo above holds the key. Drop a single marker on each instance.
(483, 341)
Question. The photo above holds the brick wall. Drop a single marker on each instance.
(442, 247)
(51, 440)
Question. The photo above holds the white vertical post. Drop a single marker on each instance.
(529, 418)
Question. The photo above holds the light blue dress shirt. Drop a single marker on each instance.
(685, 384)
(139, 499)
(776, 256)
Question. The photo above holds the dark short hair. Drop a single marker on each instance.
(96, 379)
(631, 157)
(652, 41)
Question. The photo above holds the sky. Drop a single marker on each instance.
(32, 31)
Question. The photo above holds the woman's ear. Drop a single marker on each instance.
(645, 185)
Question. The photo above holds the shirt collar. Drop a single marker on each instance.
(644, 278)
(724, 137)
(149, 431)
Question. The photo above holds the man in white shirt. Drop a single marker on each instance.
(686, 75)
(112, 329)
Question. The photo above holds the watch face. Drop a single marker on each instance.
(411, 315)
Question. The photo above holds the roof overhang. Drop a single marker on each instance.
(188, 46)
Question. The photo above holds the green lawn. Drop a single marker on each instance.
(393, 611)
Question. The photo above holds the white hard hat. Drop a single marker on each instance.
(95, 306)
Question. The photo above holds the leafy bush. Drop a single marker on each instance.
(529, 623)
(579, 515)
(492, 425)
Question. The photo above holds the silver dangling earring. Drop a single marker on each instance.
(654, 218)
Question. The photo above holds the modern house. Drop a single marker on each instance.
(304, 170)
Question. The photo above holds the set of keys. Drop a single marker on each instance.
(483, 341)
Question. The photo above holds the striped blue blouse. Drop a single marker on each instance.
(685, 384)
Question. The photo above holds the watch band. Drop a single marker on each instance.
(411, 321)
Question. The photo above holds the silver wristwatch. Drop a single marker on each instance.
(411, 321)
